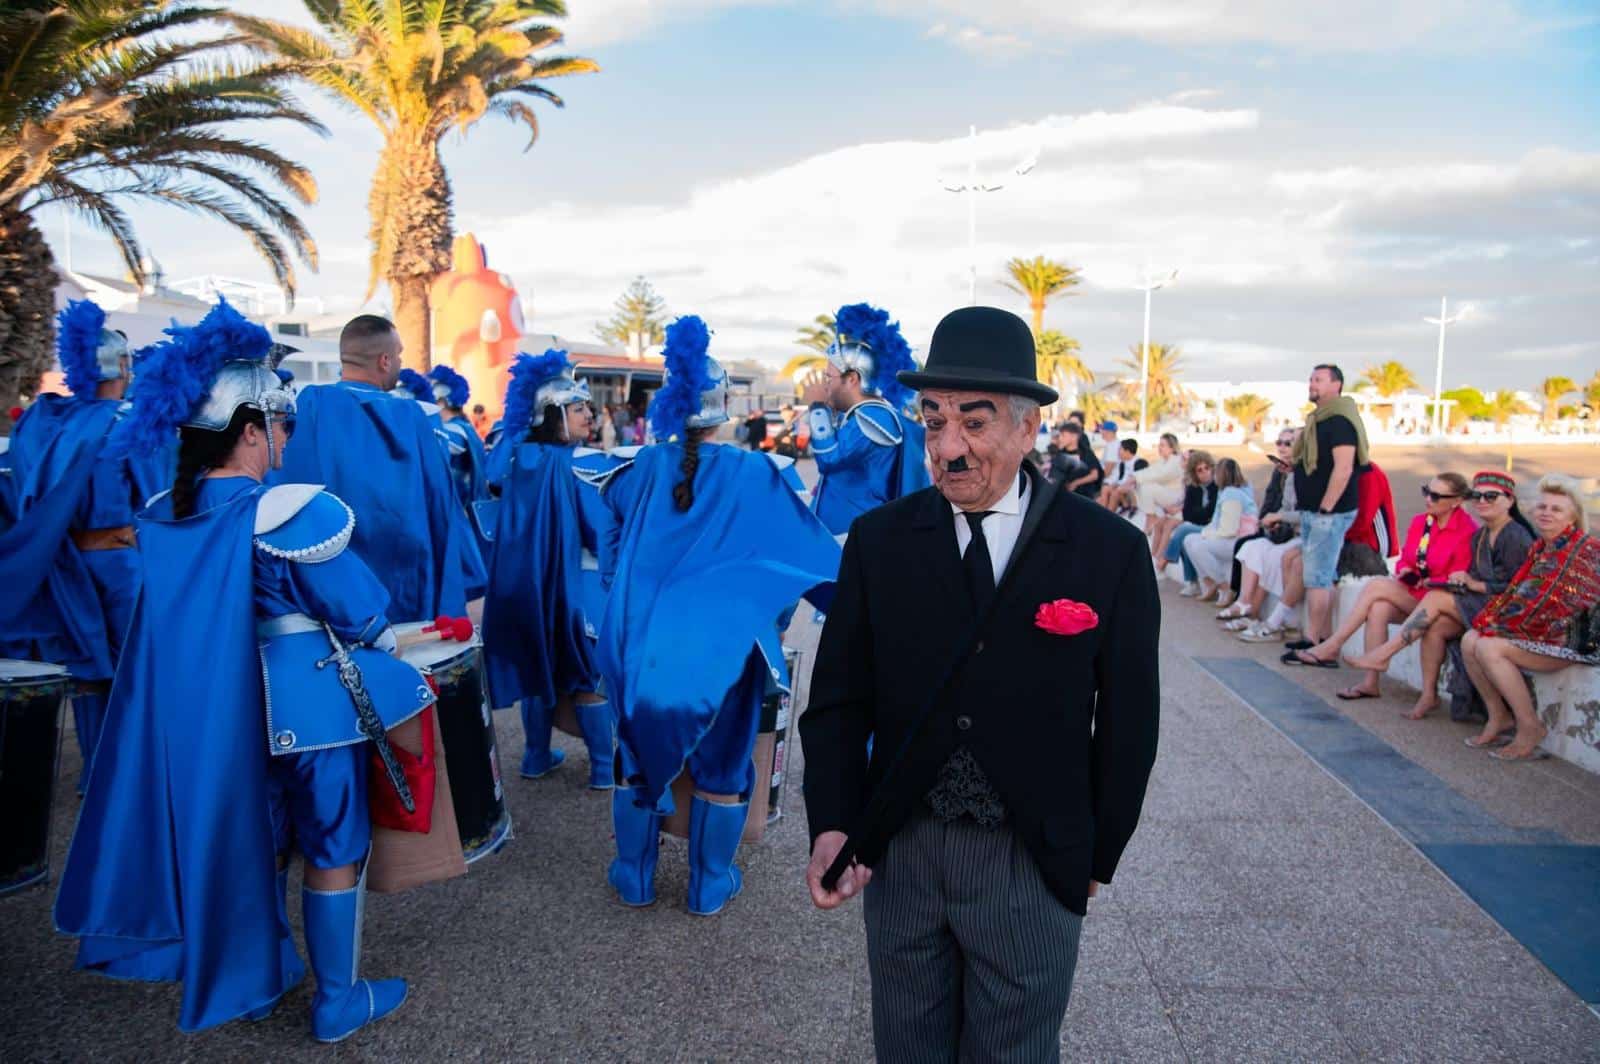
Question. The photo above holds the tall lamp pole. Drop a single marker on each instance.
(1150, 285)
(1438, 366)
(970, 188)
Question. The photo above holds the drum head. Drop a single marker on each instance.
(434, 654)
(14, 671)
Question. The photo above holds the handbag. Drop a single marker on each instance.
(1280, 532)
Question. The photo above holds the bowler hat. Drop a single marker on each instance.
(981, 349)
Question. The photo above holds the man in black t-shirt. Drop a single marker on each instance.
(1327, 463)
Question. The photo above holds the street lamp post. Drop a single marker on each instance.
(971, 188)
(1150, 285)
(1438, 366)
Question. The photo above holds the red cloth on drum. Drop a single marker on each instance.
(421, 774)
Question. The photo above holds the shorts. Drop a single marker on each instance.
(318, 800)
(1322, 538)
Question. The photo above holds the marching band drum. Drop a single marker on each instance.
(33, 696)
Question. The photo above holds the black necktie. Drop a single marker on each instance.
(980, 569)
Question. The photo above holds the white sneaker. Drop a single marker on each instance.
(1239, 624)
(1261, 632)
(1190, 590)
(1233, 611)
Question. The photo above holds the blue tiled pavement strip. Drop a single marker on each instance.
(1542, 889)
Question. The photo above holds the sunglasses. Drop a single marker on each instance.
(1434, 496)
(1285, 443)
(1486, 496)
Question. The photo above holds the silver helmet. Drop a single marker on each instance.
(849, 355)
(109, 353)
(560, 391)
(252, 384)
(713, 401)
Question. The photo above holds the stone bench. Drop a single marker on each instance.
(1568, 701)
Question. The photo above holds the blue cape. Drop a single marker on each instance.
(694, 595)
(381, 456)
(171, 872)
(534, 643)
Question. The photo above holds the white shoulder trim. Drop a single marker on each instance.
(629, 452)
(279, 504)
(322, 551)
(584, 452)
(782, 461)
(879, 423)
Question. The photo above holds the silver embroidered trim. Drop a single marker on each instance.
(329, 548)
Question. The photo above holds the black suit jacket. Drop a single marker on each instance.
(1064, 726)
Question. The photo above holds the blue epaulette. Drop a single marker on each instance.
(879, 422)
(303, 523)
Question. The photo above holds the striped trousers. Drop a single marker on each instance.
(971, 956)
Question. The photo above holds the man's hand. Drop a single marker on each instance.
(814, 389)
(853, 882)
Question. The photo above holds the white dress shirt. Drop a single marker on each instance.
(1000, 529)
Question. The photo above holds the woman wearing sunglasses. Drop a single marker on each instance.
(1444, 614)
(1548, 618)
(1438, 543)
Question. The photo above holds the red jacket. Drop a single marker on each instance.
(1449, 549)
(1374, 524)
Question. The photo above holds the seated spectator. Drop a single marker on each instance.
(1158, 485)
(1210, 554)
(1278, 499)
(1547, 619)
(1438, 543)
(1128, 463)
(1110, 446)
(1177, 523)
(1074, 466)
(1443, 616)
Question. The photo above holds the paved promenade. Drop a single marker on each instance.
(1263, 912)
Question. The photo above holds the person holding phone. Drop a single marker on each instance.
(1438, 543)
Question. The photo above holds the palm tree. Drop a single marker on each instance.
(1388, 379)
(108, 102)
(1249, 410)
(1040, 279)
(418, 70)
(1165, 393)
(1591, 395)
(1058, 361)
(1554, 388)
(816, 338)
(1466, 404)
(1505, 405)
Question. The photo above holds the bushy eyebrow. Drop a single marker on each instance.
(978, 404)
(929, 404)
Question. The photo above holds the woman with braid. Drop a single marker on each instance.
(706, 546)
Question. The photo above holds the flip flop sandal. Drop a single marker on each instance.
(1355, 694)
(1537, 755)
(1297, 644)
(1293, 657)
(1503, 739)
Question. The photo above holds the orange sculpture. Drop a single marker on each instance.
(477, 323)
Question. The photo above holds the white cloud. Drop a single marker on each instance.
(986, 43)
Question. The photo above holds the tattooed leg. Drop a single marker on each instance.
(1415, 625)
(1412, 630)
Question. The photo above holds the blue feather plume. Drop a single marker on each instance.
(528, 374)
(460, 390)
(685, 353)
(176, 374)
(77, 339)
(417, 385)
(871, 327)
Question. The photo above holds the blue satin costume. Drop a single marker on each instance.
(689, 640)
(172, 871)
(867, 457)
(78, 618)
(380, 454)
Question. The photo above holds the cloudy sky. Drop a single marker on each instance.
(1319, 174)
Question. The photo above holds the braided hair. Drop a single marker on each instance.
(203, 449)
(552, 428)
(683, 491)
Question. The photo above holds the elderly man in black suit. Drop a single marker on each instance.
(995, 638)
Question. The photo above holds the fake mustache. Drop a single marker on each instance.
(957, 465)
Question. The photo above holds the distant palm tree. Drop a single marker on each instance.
(1040, 279)
(1166, 396)
(819, 335)
(1591, 395)
(1554, 388)
(1058, 362)
(107, 102)
(419, 69)
(1388, 379)
(1466, 404)
(1505, 405)
(1249, 410)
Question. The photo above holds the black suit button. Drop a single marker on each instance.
(980, 647)
(963, 722)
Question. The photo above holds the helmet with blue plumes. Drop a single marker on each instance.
(199, 377)
(870, 345)
(88, 351)
(694, 387)
(450, 389)
(538, 383)
(414, 385)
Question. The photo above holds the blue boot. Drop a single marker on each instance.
(633, 873)
(714, 832)
(293, 969)
(343, 1003)
(537, 757)
(599, 729)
